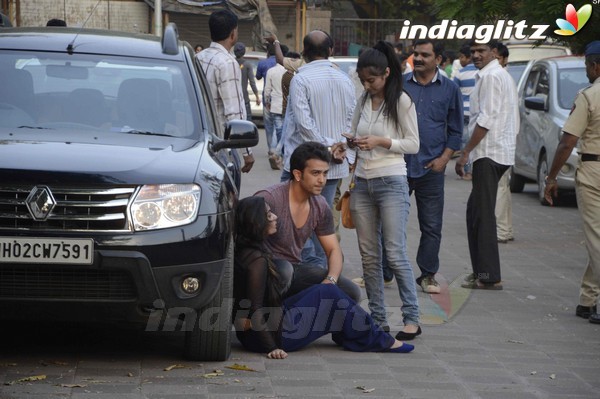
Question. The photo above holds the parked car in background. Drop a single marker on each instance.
(546, 94)
(526, 51)
(117, 186)
(257, 110)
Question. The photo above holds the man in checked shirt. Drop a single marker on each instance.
(223, 73)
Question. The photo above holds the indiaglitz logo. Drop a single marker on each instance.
(575, 20)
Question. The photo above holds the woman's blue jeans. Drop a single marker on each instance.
(379, 209)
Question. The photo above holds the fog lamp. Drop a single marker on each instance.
(190, 285)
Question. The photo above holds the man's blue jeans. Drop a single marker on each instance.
(379, 209)
(273, 128)
(429, 195)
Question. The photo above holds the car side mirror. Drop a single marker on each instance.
(238, 134)
(536, 103)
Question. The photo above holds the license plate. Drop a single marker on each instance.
(47, 250)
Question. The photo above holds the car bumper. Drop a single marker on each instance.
(132, 276)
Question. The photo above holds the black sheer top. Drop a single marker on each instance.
(254, 300)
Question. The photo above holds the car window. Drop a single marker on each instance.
(543, 87)
(530, 83)
(570, 82)
(99, 93)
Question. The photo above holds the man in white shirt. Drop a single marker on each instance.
(273, 95)
(493, 125)
(223, 73)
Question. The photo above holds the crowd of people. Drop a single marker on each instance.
(414, 111)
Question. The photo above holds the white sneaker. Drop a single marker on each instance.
(361, 282)
(430, 285)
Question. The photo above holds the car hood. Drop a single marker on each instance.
(130, 159)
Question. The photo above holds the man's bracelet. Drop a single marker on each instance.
(332, 279)
(550, 181)
(276, 41)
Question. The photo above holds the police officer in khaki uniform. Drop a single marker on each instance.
(584, 124)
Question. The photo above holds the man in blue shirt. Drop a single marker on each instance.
(440, 117)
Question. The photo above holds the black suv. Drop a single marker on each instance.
(117, 187)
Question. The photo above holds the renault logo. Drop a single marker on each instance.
(40, 203)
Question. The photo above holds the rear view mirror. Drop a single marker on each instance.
(66, 71)
(536, 103)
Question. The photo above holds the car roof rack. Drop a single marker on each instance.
(170, 40)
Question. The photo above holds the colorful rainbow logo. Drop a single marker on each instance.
(575, 20)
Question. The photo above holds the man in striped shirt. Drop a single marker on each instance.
(465, 79)
(223, 73)
(320, 108)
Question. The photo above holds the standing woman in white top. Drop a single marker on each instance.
(384, 128)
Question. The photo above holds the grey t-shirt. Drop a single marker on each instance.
(289, 240)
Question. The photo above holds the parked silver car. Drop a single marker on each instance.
(546, 94)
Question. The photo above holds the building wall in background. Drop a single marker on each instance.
(122, 15)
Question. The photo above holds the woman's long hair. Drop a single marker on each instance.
(251, 227)
(382, 56)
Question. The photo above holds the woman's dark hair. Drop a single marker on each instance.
(305, 152)
(251, 226)
(251, 221)
(382, 56)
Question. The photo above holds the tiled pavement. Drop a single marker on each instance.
(522, 342)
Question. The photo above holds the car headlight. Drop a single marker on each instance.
(160, 206)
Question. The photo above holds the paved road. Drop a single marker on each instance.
(523, 342)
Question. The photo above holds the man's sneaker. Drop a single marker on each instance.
(429, 285)
(274, 162)
(361, 282)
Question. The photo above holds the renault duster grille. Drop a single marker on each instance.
(74, 209)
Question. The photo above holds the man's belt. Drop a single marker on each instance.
(590, 157)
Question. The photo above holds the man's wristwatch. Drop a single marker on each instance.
(550, 181)
(332, 279)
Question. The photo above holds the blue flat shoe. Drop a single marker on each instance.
(404, 348)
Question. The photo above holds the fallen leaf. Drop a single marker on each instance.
(129, 374)
(531, 297)
(369, 390)
(27, 379)
(512, 341)
(59, 363)
(175, 366)
(216, 373)
(241, 367)
(72, 385)
(533, 373)
(552, 376)
(236, 380)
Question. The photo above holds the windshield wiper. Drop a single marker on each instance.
(147, 133)
(33, 127)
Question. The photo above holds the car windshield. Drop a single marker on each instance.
(516, 70)
(96, 93)
(571, 80)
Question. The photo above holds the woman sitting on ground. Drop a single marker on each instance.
(267, 324)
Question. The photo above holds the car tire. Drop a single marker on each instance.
(210, 340)
(516, 182)
(541, 179)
